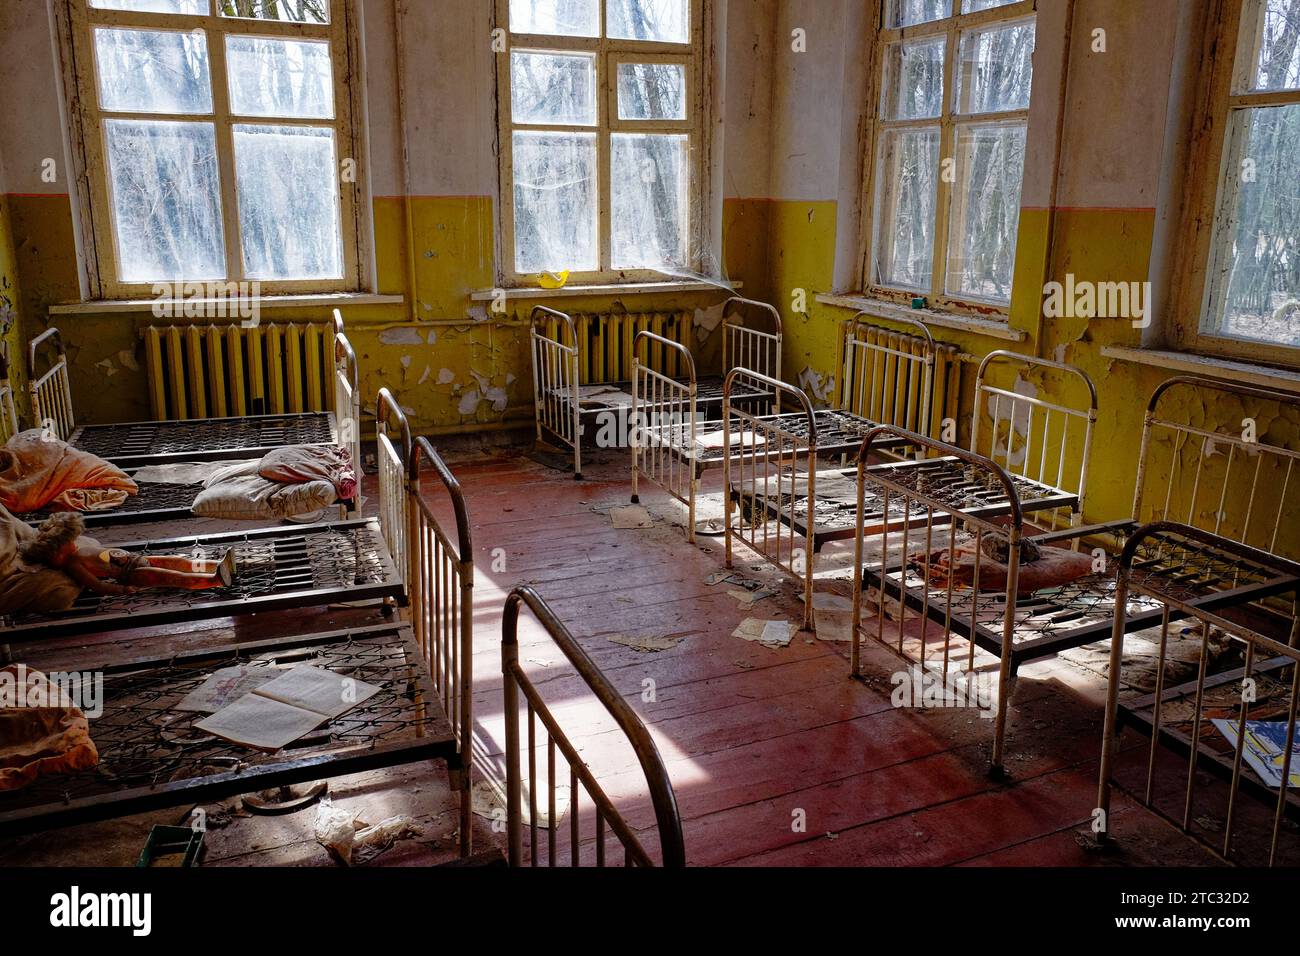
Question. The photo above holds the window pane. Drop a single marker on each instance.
(913, 86)
(996, 68)
(555, 88)
(902, 13)
(986, 211)
(288, 202)
(569, 18)
(143, 71)
(280, 77)
(1262, 295)
(555, 202)
(648, 191)
(907, 178)
(1278, 66)
(291, 11)
(651, 91)
(975, 6)
(193, 7)
(166, 200)
(664, 21)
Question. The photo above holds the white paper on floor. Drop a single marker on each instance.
(767, 633)
(630, 518)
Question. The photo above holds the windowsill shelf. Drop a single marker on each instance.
(947, 320)
(1246, 372)
(324, 300)
(613, 288)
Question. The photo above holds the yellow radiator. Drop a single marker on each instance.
(605, 343)
(214, 371)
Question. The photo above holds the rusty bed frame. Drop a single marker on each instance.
(431, 570)
(135, 444)
(1266, 631)
(557, 390)
(164, 502)
(581, 778)
(1017, 628)
(670, 447)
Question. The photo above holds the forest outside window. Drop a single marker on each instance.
(217, 143)
(1252, 298)
(600, 128)
(949, 149)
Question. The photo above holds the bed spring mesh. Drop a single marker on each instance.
(139, 439)
(150, 498)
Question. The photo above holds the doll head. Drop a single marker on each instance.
(55, 539)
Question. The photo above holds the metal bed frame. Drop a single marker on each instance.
(557, 390)
(150, 758)
(1018, 628)
(165, 502)
(152, 443)
(670, 448)
(1266, 629)
(581, 778)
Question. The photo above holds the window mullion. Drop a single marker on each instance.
(225, 153)
(604, 175)
(947, 151)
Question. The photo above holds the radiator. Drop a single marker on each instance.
(215, 371)
(605, 343)
(883, 378)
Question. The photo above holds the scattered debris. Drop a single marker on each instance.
(340, 832)
(767, 633)
(647, 643)
(630, 518)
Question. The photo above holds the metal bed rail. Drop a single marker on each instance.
(393, 463)
(928, 514)
(555, 381)
(1033, 438)
(51, 389)
(1269, 639)
(759, 475)
(745, 346)
(440, 581)
(581, 778)
(1246, 494)
(9, 425)
(663, 426)
(347, 401)
(888, 377)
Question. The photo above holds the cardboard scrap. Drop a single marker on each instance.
(768, 633)
(630, 518)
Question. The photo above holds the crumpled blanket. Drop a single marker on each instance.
(27, 587)
(38, 741)
(299, 464)
(38, 471)
(239, 493)
(1053, 567)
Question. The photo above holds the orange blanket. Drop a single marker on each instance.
(38, 472)
(39, 740)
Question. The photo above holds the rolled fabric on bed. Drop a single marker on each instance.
(38, 470)
(296, 464)
(241, 493)
(1051, 567)
(41, 732)
(27, 587)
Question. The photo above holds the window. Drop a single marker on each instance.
(1250, 292)
(217, 142)
(949, 148)
(599, 103)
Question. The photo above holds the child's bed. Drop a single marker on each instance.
(166, 500)
(159, 442)
(424, 668)
(885, 374)
(1201, 720)
(1185, 471)
(570, 407)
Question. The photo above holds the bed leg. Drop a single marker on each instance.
(636, 499)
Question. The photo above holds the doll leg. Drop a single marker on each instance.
(183, 573)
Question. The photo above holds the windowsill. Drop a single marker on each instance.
(110, 306)
(613, 288)
(946, 320)
(1245, 372)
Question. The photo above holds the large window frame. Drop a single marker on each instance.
(608, 52)
(1229, 51)
(949, 123)
(87, 119)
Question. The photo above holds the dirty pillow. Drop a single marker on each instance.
(297, 463)
(239, 493)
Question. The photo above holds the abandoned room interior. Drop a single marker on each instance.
(651, 433)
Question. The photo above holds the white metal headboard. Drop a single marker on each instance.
(51, 390)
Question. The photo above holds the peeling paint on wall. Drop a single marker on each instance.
(402, 336)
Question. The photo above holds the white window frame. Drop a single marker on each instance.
(609, 52)
(77, 21)
(1228, 58)
(949, 123)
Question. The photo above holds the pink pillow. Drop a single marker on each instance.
(296, 464)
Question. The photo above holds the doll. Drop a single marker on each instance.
(58, 544)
